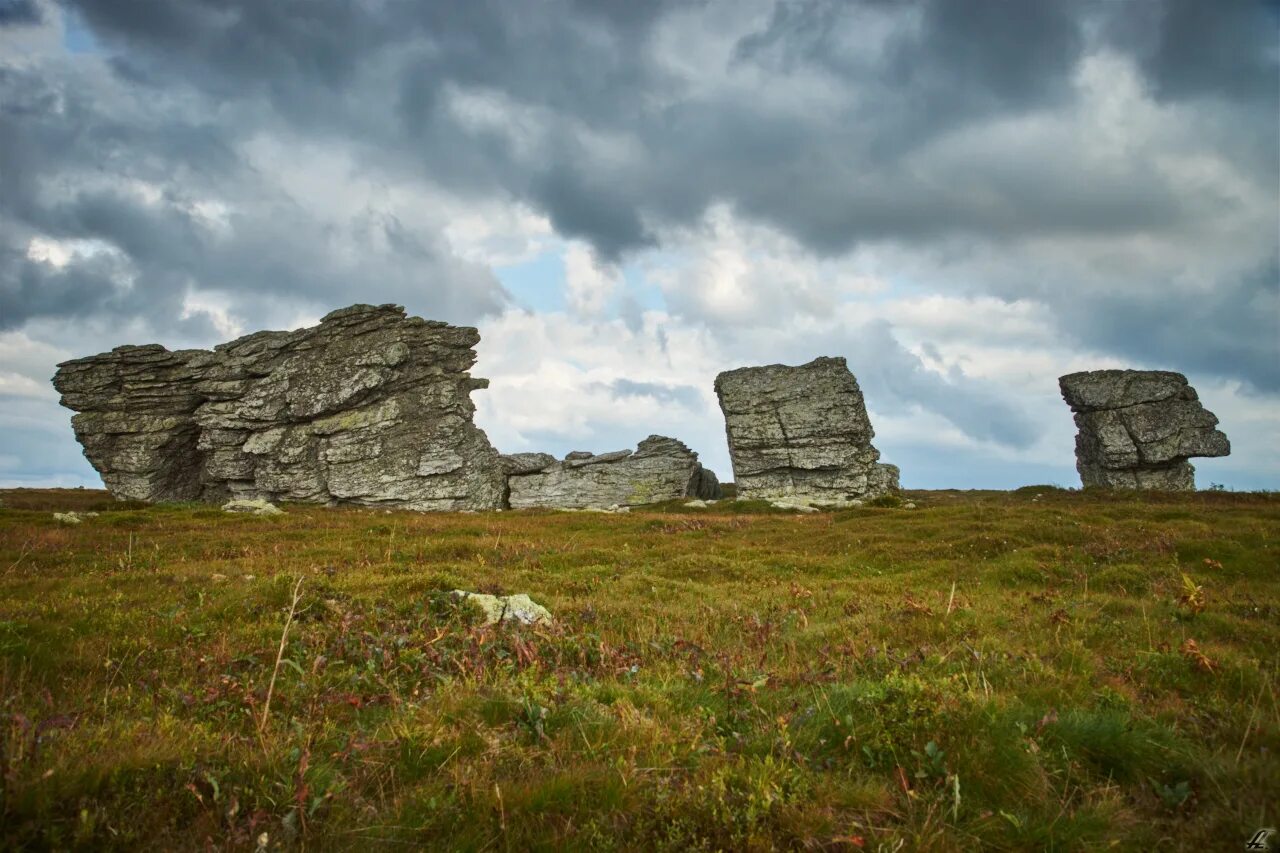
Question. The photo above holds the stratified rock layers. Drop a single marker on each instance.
(369, 407)
(660, 469)
(1138, 428)
(801, 433)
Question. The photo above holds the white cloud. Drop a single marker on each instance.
(590, 284)
(731, 272)
(60, 253)
(217, 308)
(552, 375)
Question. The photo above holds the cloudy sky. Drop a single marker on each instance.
(965, 198)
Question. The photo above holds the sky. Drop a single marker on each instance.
(966, 200)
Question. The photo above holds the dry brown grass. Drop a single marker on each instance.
(991, 670)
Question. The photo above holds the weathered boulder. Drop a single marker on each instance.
(369, 407)
(659, 469)
(1137, 428)
(801, 434)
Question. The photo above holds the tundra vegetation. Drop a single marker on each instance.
(1037, 669)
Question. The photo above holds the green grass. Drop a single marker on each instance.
(1008, 671)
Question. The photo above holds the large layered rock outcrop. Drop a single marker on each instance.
(801, 433)
(659, 469)
(369, 407)
(1139, 427)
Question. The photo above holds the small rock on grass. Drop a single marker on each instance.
(696, 504)
(254, 507)
(504, 608)
(73, 517)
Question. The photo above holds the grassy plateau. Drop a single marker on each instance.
(1031, 670)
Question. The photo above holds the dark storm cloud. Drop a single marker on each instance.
(579, 209)
(599, 117)
(944, 63)
(1231, 330)
(279, 46)
(16, 12)
(73, 160)
(830, 180)
(941, 63)
(1191, 49)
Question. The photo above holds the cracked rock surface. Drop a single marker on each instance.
(369, 407)
(801, 434)
(659, 469)
(1137, 428)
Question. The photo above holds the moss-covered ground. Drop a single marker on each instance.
(1038, 669)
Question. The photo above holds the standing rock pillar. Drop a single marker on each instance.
(801, 434)
(1138, 428)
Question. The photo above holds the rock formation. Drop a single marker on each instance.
(801, 434)
(369, 407)
(660, 469)
(1138, 427)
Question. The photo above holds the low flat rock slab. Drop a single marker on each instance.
(526, 463)
(659, 469)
